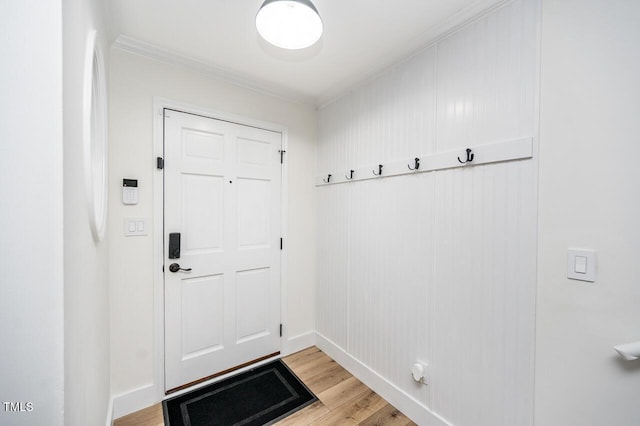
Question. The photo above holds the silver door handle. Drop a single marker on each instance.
(174, 267)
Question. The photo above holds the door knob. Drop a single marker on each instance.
(174, 267)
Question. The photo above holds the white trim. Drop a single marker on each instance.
(462, 18)
(432, 36)
(134, 400)
(151, 51)
(395, 396)
(536, 152)
(298, 343)
(160, 103)
(139, 398)
(109, 421)
(284, 232)
(158, 252)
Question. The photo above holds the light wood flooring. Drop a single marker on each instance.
(343, 399)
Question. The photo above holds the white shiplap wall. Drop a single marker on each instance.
(438, 266)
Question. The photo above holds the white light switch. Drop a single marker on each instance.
(581, 265)
(134, 227)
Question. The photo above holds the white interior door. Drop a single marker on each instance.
(222, 194)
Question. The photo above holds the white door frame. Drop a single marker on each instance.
(159, 104)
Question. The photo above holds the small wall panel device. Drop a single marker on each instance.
(130, 191)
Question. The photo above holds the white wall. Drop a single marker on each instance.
(589, 192)
(31, 217)
(440, 266)
(135, 80)
(86, 293)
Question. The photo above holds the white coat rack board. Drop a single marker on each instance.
(516, 149)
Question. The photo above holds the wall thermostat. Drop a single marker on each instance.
(130, 191)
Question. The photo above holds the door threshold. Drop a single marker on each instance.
(221, 373)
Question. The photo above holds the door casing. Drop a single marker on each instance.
(159, 104)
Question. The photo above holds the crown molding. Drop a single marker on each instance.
(430, 37)
(151, 51)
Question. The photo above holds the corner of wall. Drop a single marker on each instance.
(86, 308)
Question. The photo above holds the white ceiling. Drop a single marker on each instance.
(361, 38)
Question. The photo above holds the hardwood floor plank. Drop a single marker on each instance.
(302, 357)
(354, 411)
(305, 416)
(150, 416)
(326, 379)
(343, 392)
(387, 416)
(310, 369)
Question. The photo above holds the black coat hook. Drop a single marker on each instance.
(379, 170)
(469, 157)
(416, 164)
(350, 175)
(328, 179)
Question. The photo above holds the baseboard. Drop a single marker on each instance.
(390, 392)
(297, 343)
(109, 421)
(132, 401)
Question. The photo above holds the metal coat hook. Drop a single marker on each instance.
(416, 164)
(469, 157)
(350, 175)
(328, 179)
(379, 170)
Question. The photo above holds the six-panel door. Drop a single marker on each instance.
(222, 193)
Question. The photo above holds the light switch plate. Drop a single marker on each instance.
(581, 265)
(135, 227)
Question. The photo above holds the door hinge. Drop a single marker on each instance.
(160, 163)
(280, 243)
(282, 152)
(280, 330)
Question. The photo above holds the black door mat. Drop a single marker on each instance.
(260, 396)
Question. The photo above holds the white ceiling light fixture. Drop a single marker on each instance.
(289, 24)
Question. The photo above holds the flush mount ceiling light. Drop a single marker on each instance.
(289, 24)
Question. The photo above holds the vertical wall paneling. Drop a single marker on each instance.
(332, 276)
(486, 234)
(438, 267)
